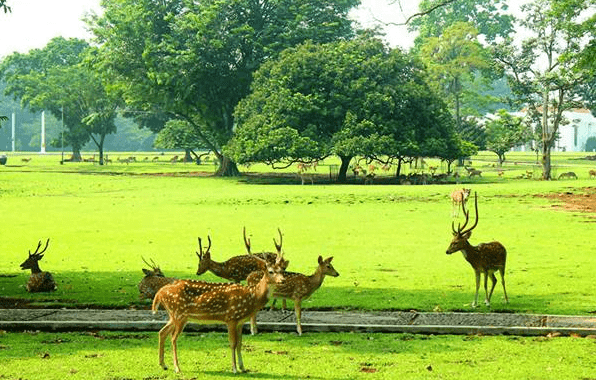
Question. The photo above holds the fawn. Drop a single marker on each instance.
(39, 281)
(458, 197)
(485, 258)
(231, 304)
(153, 281)
(297, 287)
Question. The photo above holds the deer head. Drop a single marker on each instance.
(461, 235)
(34, 258)
(154, 271)
(204, 257)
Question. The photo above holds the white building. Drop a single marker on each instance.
(580, 126)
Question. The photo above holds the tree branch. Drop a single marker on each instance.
(419, 14)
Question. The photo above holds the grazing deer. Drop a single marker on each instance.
(459, 197)
(153, 281)
(174, 159)
(298, 287)
(485, 258)
(568, 175)
(592, 173)
(231, 304)
(39, 281)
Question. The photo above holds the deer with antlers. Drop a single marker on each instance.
(153, 281)
(238, 268)
(485, 258)
(39, 281)
(198, 301)
(297, 287)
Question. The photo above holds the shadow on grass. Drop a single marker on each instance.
(119, 290)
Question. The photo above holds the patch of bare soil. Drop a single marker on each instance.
(584, 201)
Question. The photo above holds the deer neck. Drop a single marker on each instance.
(469, 251)
(263, 290)
(35, 269)
(316, 279)
(219, 269)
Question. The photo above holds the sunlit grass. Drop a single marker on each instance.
(388, 242)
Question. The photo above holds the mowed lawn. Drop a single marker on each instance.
(388, 241)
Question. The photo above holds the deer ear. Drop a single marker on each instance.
(147, 272)
(320, 259)
(467, 235)
(329, 259)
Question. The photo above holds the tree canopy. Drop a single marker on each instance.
(546, 72)
(194, 60)
(346, 98)
(56, 79)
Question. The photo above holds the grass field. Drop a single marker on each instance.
(105, 355)
(388, 243)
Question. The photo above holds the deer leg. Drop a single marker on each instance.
(178, 327)
(163, 333)
(502, 272)
(493, 279)
(253, 324)
(475, 303)
(239, 348)
(233, 339)
(298, 309)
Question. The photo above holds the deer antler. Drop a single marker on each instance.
(278, 246)
(152, 265)
(38, 247)
(246, 240)
(467, 214)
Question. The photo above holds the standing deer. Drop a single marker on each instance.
(270, 257)
(485, 258)
(298, 287)
(153, 281)
(39, 281)
(459, 197)
(231, 304)
(237, 268)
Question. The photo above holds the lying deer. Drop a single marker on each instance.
(485, 258)
(39, 281)
(153, 281)
(237, 268)
(568, 175)
(231, 304)
(297, 287)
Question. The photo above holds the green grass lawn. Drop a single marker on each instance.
(109, 355)
(388, 241)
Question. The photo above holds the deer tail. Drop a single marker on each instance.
(156, 303)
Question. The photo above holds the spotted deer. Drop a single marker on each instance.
(485, 258)
(236, 268)
(197, 301)
(153, 281)
(270, 257)
(459, 197)
(39, 281)
(298, 287)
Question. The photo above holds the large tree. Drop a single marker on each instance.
(348, 98)
(56, 79)
(194, 60)
(547, 70)
(504, 132)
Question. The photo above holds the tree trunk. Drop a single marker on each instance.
(398, 171)
(343, 169)
(227, 167)
(76, 155)
(546, 167)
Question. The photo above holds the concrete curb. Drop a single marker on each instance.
(312, 321)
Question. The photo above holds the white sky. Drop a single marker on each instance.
(33, 23)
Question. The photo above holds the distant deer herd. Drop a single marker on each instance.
(266, 276)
